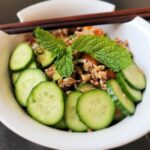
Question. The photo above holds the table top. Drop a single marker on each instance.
(11, 141)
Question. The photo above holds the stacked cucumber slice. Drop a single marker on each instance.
(21, 57)
(96, 109)
(93, 109)
(120, 98)
(72, 119)
(85, 108)
(134, 77)
(42, 99)
(45, 103)
(133, 94)
(26, 82)
(126, 90)
(15, 75)
(45, 58)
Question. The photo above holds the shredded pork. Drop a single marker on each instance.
(50, 71)
(66, 82)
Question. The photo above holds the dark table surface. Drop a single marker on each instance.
(11, 141)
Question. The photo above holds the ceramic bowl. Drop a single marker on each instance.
(137, 32)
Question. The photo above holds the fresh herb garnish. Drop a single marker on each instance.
(64, 63)
(101, 48)
(62, 53)
(49, 41)
(105, 50)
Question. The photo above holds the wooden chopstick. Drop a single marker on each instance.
(76, 21)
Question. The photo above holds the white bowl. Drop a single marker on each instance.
(137, 32)
(63, 8)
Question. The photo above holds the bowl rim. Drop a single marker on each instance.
(146, 128)
(23, 12)
(140, 23)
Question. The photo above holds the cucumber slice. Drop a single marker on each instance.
(120, 98)
(15, 75)
(46, 103)
(27, 80)
(72, 120)
(21, 57)
(32, 65)
(96, 109)
(84, 87)
(134, 76)
(133, 94)
(60, 125)
(45, 59)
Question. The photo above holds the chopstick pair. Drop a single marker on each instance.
(118, 16)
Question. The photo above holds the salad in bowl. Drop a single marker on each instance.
(116, 131)
(76, 79)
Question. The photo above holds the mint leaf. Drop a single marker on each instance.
(64, 63)
(104, 50)
(62, 53)
(49, 42)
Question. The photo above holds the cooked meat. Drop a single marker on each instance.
(85, 77)
(81, 61)
(93, 73)
(95, 82)
(72, 30)
(78, 70)
(87, 66)
(68, 40)
(123, 43)
(99, 72)
(103, 84)
(60, 33)
(50, 71)
(66, 82)
(89, 30)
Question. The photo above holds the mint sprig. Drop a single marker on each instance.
(49, 41)
(64, 63)
(105, 50)
(59, 50)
